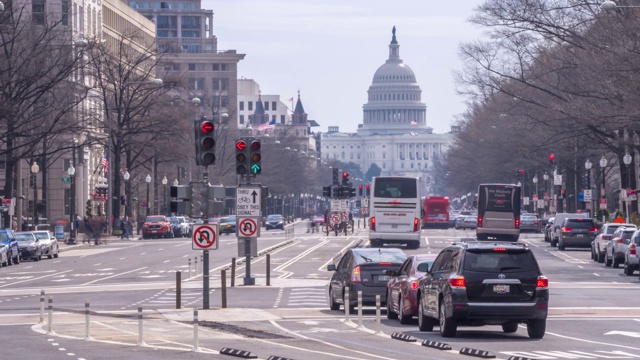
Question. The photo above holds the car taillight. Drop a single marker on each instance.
(606, 237)
(517, 223)
(620, 240)
(355, 275)
(457, 282)
(632, 249)
(500, 249)
(594, 229)
(566, 229)
(414, 285)
(542, 283)
(385, 263)
(373, 223)
(416, 224)
(479, 221)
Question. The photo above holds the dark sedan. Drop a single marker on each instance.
(363, 269)
(228, 225)
(274, 221)
(29, 246)
(529, 223)
(402, 289)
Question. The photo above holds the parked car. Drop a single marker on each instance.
(548, 227)
(479, 283)
(529, 222)
(29, 246)
(228, 225)
(363, 269)
(48, 243)
(577, 233)
(7, 238)
(4, 255)
(616, 247)
(275, 221)
(631, 258)
(558, 220)
(599, 244)
(466, 222)
(157, 226)
(402, 289)
(179, 226)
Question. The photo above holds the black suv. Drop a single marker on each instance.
(577, 233)
(478, 283)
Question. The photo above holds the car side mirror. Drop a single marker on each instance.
(331, 267)
(390, 272)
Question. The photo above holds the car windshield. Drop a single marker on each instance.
(627, 234)
(41, 235)
(274, 217)
(612, 228)
(580, 224)
(24, 237)
(529, 218)
(394, 257)
(155, 219)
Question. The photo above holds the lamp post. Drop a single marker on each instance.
(534, 206)
(627, 161)
(603, 189)
(164, 198)
(546, 189)
(34, 170)
(148, 181)
(588, 165)
(72, 206)
(126, 176)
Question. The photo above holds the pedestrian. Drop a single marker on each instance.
(95, 230)
(123, 228)
(140, 223)
(87, 231)
(129, 228)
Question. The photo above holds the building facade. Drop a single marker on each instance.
(394, 134)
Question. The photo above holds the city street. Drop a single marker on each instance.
(590, 313)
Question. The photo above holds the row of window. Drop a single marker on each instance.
(163, 5)
(171, 22)
(392, 97)
(274, 106)
(217, 84)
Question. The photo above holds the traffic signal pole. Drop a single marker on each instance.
(205, 253)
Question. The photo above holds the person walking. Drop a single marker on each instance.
(129, 228)
(87, 231)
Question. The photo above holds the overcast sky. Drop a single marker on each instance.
(330, 49)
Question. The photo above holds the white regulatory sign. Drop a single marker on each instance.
(205, 237)
(248, 227)
(248, 201)
(365, 202)
(336, 205)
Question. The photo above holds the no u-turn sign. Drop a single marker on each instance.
(205, 237)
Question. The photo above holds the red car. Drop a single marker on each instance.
(156, 226)
(402, 299)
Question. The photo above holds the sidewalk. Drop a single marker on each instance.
(81, 237)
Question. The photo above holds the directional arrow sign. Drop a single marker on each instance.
(624, 333)
(255, 168)
(248, 201)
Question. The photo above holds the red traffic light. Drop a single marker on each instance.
(241, 145)
(345, 174)
(360, 187)
(521, 171)
(207, 127)
(255, 145)
(552, 157)
(368, 186)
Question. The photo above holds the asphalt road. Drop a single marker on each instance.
(592, 309)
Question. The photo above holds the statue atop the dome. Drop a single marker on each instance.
(393, 31)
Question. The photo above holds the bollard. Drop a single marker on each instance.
(87, 321)
(196, 346)
(195, 265)
(347, 304)
(189, 260)
(41, 307)
(358, 223)
(49, 325)
(359, 308)
(178, 290)
(223, 288)
(378, 328)
(233, 272)
(268, 269)
(140, 329)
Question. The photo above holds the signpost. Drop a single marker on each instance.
(248, 212)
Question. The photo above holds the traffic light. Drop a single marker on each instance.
(255, 158)
(337, 192)
(360, 190)
(352, 191)
(520, 174)
(205, 142)
(336, 179)
(326, 191)
(345, 178)
(242, 160)
(123, 200)
(552, 160)
(368, 190)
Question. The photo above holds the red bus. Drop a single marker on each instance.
(436, 212)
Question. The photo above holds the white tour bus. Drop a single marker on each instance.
(395, 211)
(498, 211)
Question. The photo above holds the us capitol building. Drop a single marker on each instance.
(394, 134)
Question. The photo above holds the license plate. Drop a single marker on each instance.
(394, 226)
(501, 289)
(153, 231)
(384, 277)
(579, 235)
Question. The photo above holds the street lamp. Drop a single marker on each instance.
(175, 182)
(126, 176)
(148, 180)
(534, 204)
(588, 165)
(1, 6)
(34, 170)
(627, 161)
(546, 182)
(610, 5)
(164, 185)
(72, 207)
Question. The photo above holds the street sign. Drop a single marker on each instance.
(540, 204)
(535, 197)
(364, 211)
(631, 195)
(335, 219)
(603, 204)
(587, 195)
(248, 201)
(335, 205)
(623, 194)
(365, 202)
(525, 201)
(66, 180)
(248, 227)
(557, 180)
(205, 237)
(344, 216)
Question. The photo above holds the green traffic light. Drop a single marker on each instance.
(255, 168)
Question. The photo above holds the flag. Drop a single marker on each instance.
(105, 163)
(413, 123)
(272, 122)
(291, 99)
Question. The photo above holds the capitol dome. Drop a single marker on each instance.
(394, 98)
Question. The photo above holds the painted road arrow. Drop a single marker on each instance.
(624, 333)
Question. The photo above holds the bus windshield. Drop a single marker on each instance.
(395, 188)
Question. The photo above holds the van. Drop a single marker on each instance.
(559, 220)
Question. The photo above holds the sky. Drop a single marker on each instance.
(330, 49)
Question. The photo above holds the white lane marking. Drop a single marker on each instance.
(112, 276)
(295, 259)
(37, 278)
(98, 264)
(324, 266)
(596, 274)
(580, 267)
(166, 261)
(34, 272)
(143, 253)
(593, 342)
